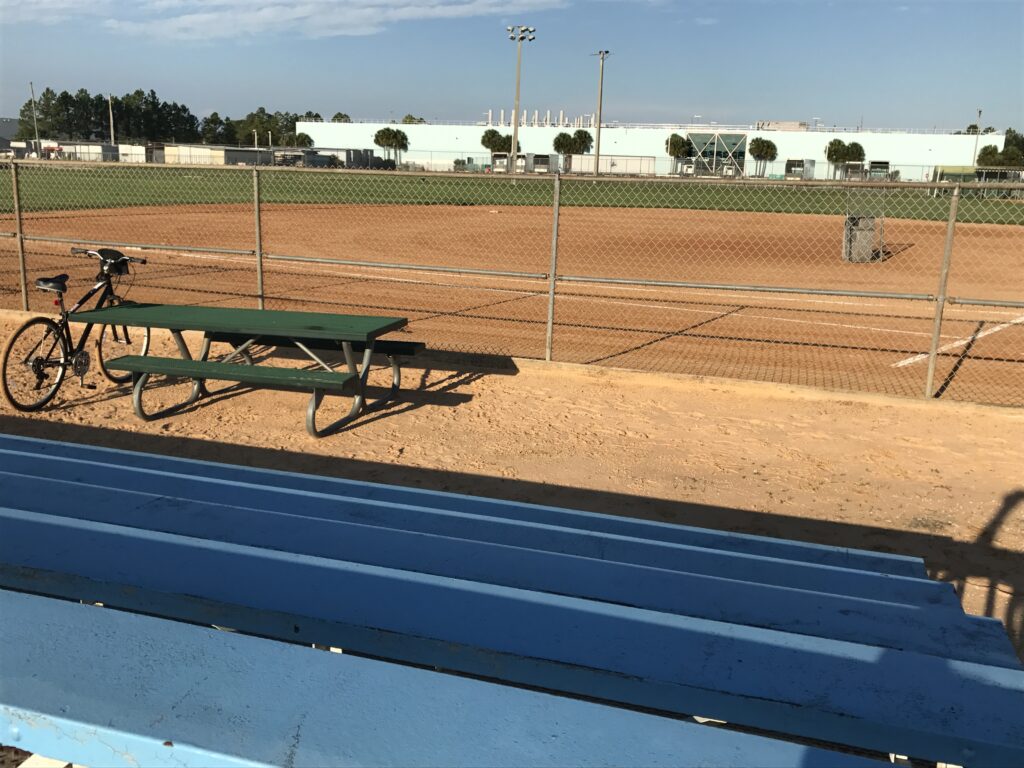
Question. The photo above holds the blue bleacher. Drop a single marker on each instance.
(477, 625)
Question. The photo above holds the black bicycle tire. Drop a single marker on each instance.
(118, 378)
(61, 371)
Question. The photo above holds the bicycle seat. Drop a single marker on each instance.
(58, 283)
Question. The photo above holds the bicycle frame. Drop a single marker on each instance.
(103, 283)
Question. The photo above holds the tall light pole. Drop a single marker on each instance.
(602, 55)
(977, 134)
(520, 34)
(35, 123)
(110, 113)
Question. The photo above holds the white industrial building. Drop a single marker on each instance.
(908, 155)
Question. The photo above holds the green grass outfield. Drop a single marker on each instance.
(55, 187)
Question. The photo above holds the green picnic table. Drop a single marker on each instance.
(310, 332)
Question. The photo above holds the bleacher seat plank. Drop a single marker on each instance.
(624, 526)
(829, 690)
(698, 560)
(115, 689)
(872, 622)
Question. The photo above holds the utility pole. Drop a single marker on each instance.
(600, 93)
(977, 134)
(35, 123)
(520, 34)
(110, 111)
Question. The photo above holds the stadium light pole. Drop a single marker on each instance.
(35, 122)
(602, 55)
(520, 34)
(110, 111)
(977, 134)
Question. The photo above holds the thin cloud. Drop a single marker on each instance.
(705, 21)
(221, 19)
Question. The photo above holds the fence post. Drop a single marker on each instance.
(259, 236)
(20, 236)
(940, 299)
(553, 270)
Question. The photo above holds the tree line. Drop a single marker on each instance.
(142, 116)
(1011, 156)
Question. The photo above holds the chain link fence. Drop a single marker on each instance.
(903, 288)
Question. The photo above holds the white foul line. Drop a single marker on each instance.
(959, 343)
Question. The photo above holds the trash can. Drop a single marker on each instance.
(859, 239)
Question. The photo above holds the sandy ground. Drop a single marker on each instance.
(943, 481)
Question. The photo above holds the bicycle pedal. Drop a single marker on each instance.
(87, 386)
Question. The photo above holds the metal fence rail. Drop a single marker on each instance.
(913, 289)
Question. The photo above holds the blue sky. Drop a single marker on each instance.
(889, 64)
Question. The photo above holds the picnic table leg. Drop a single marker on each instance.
(139, 381)
(241, 351)
(358, 399)
(396, 375)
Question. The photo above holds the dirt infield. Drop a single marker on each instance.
(835, 342)
(773, 249)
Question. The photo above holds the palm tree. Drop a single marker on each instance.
(760, 149)
(341, 117)
(773, 153)
(563, 144)
(491, 140)
(400, 143)
(835, 153)
(854, 153)
(677, 146)
(385, 139)
(582, 141)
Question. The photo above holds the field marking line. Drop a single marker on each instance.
(760, 294)
(742, 315)
(960, 342)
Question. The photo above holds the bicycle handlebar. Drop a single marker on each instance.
(102, 257)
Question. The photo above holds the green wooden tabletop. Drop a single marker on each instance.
(255, 322)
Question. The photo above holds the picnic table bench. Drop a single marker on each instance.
(475, 631)
(310, 332)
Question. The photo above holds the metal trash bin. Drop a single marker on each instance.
(859, 239)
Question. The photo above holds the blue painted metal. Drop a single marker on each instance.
(869, 585)
(101, 687)
(835, 645)
(839, 557)
(835, 691)
(870, 622)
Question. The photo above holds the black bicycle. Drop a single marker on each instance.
(42, 351)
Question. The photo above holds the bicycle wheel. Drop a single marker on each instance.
(117, 341)
(35, 362)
